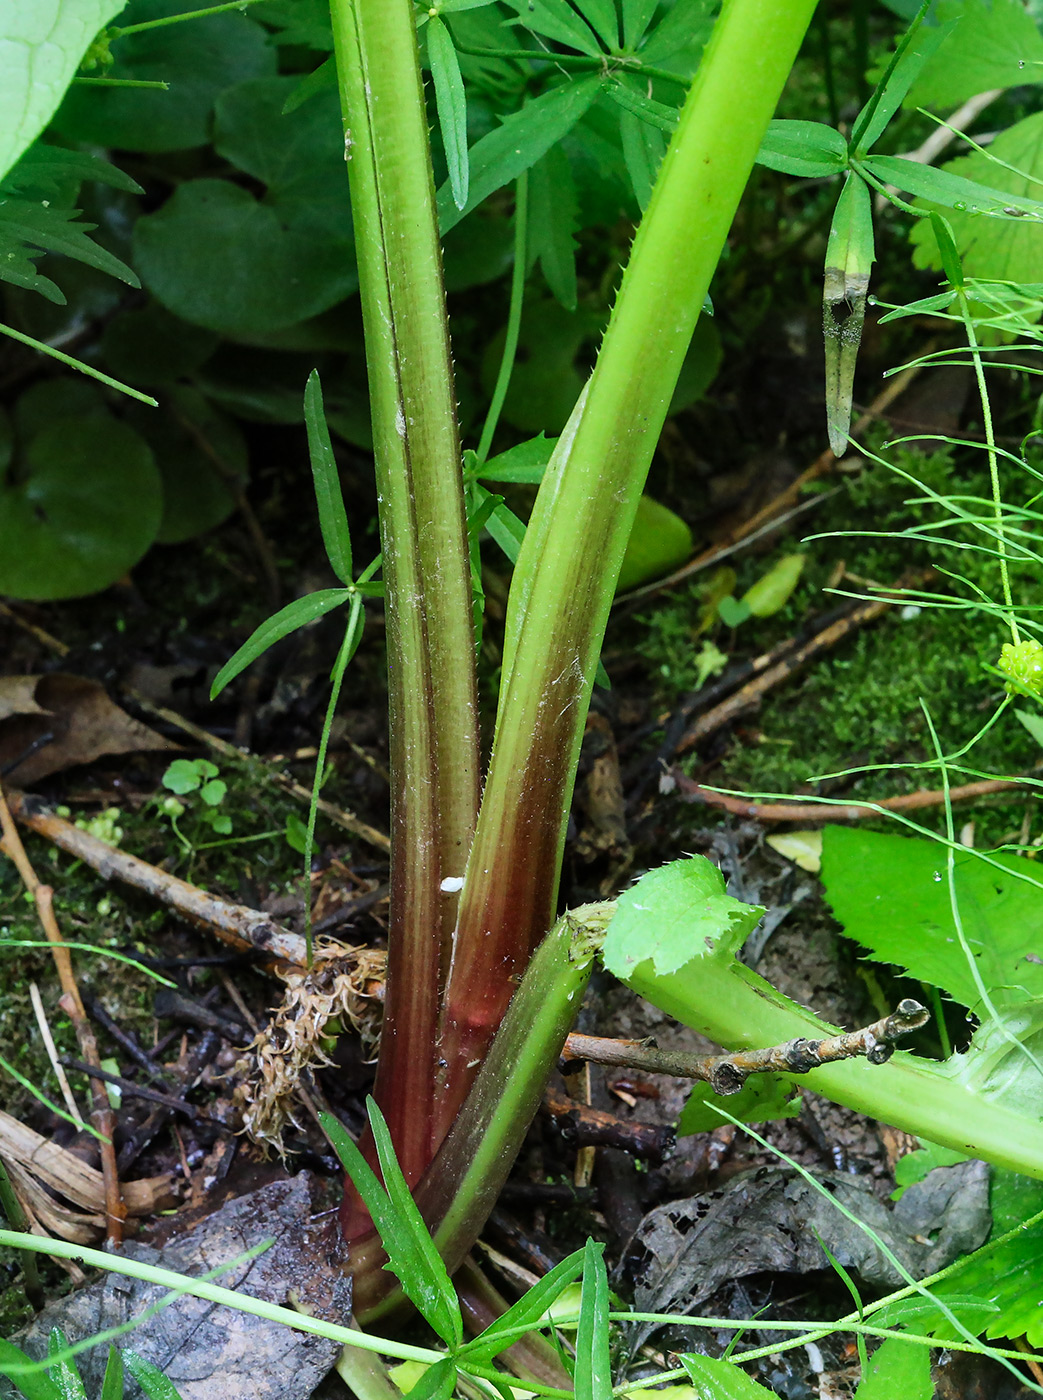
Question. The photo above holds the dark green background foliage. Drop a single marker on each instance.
(225, 212)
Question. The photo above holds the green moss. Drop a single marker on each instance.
(861, 703)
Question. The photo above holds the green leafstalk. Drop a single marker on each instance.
(719, 997)
(430, 640)
(567, 570)
(456, 1195)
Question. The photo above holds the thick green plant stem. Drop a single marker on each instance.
(569, 563)
(456, 1195)
(430, 639)
(740, 1011)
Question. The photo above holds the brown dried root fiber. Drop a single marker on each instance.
(344, 983)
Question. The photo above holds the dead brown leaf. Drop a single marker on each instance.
(78, 715)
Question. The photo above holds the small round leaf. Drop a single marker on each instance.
(81, 509)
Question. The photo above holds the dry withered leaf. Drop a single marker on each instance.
(83, 722)
(771, 1220)
(42, 1172)
(211, 1352)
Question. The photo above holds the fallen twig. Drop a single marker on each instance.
(792, 659)
(583, 1126)
(234, 924)
(104, 1119)
(839, 812)
(136, 1091)
(726, 1074)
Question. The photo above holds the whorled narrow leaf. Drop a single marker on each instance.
(296, 614)
(553, 220)
(722, 1380)
(657, 114)
(643, 149)
(803, 148)
(602, 17)
(451, 105)
(849, 257)
(556, 20)
(914, 49)
(524, 463)
(636, 17)
(952, 191)
(333, 518)
(529, 1311)
(518, 144)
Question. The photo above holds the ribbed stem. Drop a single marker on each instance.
(430, 640)
(567, 571)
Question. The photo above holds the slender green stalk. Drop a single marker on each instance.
(348, 647)
(994, 471)
(566, 573)
(226, 8)
(514, 314)
(210, 1293)
(430, 641)
(80, 365)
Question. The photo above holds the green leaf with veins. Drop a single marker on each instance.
(803, 148)
(42, 43)
(897, 1368)
(720, 1380)
(198, 60)
(1003, 249)
(78, 510)
(218, 257)
(677, 42)
(675, 915)
(555, 20)
(995, 45)
(1007, 1283)
(891, 893)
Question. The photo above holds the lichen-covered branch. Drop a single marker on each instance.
(726, 1074)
